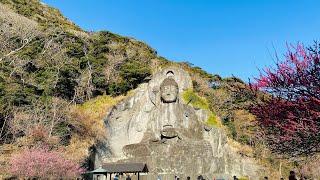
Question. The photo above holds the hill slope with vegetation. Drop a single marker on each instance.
(57, 82)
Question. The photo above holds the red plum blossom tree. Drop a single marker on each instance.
(290, 116)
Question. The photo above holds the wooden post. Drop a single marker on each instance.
(280, 169)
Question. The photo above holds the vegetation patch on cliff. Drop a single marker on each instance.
(213, 120)
(198, 102)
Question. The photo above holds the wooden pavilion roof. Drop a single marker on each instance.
(125, 167)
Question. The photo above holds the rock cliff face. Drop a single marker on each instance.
(156, 127)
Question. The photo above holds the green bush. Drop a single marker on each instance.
(213, 120)
(46, 16)
(134, 73)
(99, 81)
(244, 139)
(231, 127)
(66, 84)
(189, 96)
(34, 47)
(99, 50)
(19, 97)
(116, 89)
(233, 79)
(75, 49)
(62, 130)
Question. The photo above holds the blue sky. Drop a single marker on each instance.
(226, 37)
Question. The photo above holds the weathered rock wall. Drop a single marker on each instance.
(169, 136)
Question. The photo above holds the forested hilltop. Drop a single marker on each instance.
(57, 81)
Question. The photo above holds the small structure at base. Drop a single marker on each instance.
(96, 174)
(120, 168)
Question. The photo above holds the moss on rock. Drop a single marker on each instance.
(198, 102)
(190, 97)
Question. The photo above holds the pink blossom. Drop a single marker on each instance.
(42, 163)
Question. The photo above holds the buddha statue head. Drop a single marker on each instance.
(169, 90)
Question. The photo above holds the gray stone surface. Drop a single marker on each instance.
(155, 126)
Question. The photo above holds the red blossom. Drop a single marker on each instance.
(290, 118)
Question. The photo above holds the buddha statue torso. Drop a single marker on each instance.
(170, 121)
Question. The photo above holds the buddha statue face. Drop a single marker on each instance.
(169, 90)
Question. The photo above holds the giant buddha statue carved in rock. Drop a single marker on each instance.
(170, 122)
(155, 126)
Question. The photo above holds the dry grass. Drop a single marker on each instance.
(242, 149)
(88, 119)
(78, 149)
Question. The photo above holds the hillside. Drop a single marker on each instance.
(57, 82)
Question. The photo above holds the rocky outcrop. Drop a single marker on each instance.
(156, 127)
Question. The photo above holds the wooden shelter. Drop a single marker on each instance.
(119, 168)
